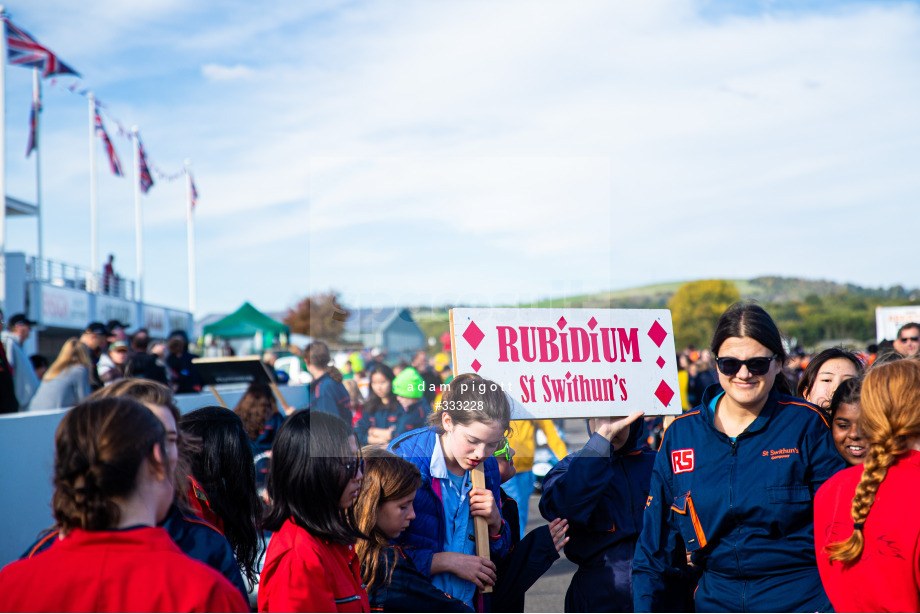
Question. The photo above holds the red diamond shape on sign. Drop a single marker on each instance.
(664, 393)
(561, 323)
(660, 362)
(592, 323)
(657, 333)
(473, 335)
(476, 366)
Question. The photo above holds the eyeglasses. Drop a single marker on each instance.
(504, 451)
(353, 466)
(905, 339)
(755, 366)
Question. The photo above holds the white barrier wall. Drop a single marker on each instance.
(27, 462)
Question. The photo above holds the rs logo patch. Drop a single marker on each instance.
(682, 460)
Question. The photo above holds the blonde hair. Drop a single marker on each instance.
(73, 353)
(890, 418)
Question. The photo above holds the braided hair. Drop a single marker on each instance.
(890, 419)
(99, 448)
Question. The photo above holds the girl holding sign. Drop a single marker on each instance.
(470, 424)
(734, 484)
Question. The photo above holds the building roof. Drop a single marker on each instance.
(370, 320)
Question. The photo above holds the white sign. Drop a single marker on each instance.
(179, 320)
(64, 308)
(115, 309)
(571, 363)
(155, 321)
(888, 320)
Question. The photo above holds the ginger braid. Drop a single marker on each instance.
(890, 418)
(875, 469)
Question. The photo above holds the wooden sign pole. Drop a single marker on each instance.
(480, 525)
(218, 397)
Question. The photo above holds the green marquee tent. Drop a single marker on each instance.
(247, 321)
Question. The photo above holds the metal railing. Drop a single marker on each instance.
(66, 275)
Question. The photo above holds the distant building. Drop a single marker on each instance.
(389, 328)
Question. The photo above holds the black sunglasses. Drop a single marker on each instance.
(914, 339)
(352, 467)
(755, 366)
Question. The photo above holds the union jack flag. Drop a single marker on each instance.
(114, 164)
(145, 177)
(33, 119)
(191, 181)
(23, 50)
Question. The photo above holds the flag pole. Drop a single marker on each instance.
(190, 225)
(93, 211)
(138, 220)
(3, 59)
(37, 101)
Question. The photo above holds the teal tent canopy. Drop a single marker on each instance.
(247, 321)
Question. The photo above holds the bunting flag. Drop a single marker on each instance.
(33, 118)
(191, 181)
(145, 178)
(23, 50)
(114, 164)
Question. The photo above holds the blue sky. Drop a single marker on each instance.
(481, 152)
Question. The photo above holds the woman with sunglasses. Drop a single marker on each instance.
(734, 484)
(315, 478)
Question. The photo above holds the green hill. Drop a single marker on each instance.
(765, 290)
(813, 313)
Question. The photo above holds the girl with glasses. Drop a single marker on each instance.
(113, 478)
(315, 478)
(470, 424)
(733, 485)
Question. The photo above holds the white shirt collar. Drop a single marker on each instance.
(438, 466)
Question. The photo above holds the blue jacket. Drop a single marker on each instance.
(602, 493)
(428, 531)
(395, 416)
(326, 394)
(408, 590)
(266, 438)
(743, 509)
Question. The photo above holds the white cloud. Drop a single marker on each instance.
(596, 145)
(216, 72)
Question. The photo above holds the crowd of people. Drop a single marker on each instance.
(102, 355)
(782, 488)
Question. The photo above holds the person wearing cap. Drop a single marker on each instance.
(112, 364)
(95, 338)
(117, 330)
(25, 382)
(325, 394)
(409, 388)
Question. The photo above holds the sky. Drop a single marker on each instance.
(478, 152)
